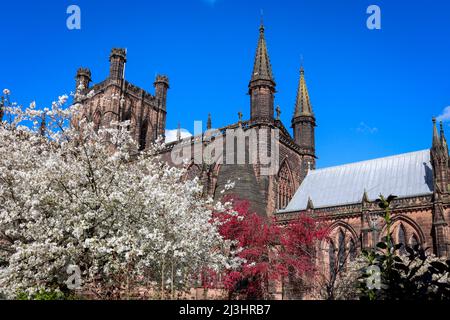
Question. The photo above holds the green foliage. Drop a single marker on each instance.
(392, 276)
(45, 295)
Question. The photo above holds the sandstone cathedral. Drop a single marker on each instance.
(342, 196)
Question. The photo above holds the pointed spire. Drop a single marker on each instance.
(365, 197)
(209, 123)
(262, 69)
(310, 205)
(443, 139)
(436, 140)
(303, 104)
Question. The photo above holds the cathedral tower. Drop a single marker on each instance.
(117, 61)
(83, 79)
(161, 86)
(304, 122)
(262, 84)
(440, 161)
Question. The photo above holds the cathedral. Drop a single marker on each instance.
(343, 197)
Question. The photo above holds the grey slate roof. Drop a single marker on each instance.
(403, 175)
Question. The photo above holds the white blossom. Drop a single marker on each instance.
(89, 198)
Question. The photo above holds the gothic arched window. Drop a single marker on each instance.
(285, 186)
(352, 250)
(332, 259)
(97, 119)
(341, 252)
(414, 240)
(143, 135)
(401, 238)
(127, 114)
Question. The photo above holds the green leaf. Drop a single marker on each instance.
(402, 267)
(439, 266)
(391, 198)
(411, 252)
(382, 245)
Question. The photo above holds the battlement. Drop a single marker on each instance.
(84, 72)
(162, 79)
(118, 52)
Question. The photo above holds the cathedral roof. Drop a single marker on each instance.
(403, 175)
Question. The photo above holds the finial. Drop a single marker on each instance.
(240, 115)
(261, 28)
(179, 132)
(209, 123)
(310, 205)
(278, 110)
(436, 140)
(365, 197)
(441, 126)
(302, 69)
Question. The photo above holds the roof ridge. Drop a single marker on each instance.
(369, 160)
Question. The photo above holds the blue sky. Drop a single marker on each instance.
(373, 91)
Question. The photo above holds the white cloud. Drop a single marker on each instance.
(364, 128)
(171, 135)
(445, 116)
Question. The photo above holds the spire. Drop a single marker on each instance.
(365, 197)
(262, 69)
(310, 204)
(209, 123)
(436, 140)
(303, 121)
(303, 104)
(443, 140)
(262, 85)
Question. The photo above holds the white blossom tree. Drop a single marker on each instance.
(88, 198)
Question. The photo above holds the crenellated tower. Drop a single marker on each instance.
(83, 79)
(116, 99)
(161, 87)
(262, 84)
(117, 60)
